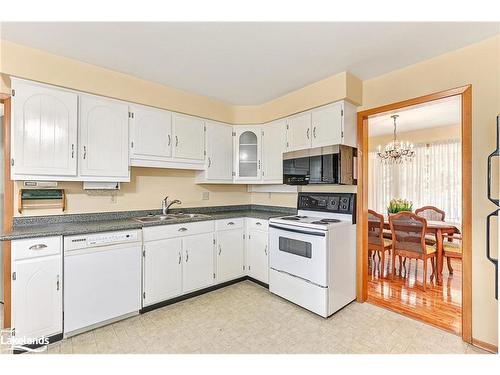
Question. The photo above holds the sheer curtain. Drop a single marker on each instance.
(432, 178)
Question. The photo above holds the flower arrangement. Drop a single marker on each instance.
(398, 205)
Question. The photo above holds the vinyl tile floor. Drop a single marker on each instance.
(246, 318)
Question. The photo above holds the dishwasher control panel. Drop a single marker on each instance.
(101, 239)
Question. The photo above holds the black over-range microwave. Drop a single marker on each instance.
(322, 165)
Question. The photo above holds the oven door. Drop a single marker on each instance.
(301, 252)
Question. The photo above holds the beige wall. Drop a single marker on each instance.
(479, 65)
(417, 136)
(148, 186)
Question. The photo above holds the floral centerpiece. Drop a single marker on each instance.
(398, 205)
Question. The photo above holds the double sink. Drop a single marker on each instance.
(169, 217)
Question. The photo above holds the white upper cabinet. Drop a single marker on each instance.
(44, 131)
(299, 132)
(219, 153)
(103, 139)
(327, 125)
(188, 138)
(273, 146)
(150, 133)
(247, 153)
(334, 124)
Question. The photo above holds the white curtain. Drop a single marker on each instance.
(432, 178)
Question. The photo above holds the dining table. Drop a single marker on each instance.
(439, 229)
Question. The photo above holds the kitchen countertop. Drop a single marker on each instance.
(65, 225)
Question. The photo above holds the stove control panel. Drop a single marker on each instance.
(344, 203)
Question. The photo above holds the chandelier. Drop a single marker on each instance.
(396, 152)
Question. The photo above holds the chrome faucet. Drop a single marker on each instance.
(165, 205)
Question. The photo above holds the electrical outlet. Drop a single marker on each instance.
(205, 196)
(269, 195)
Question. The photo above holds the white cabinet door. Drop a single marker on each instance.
(327, 125)
(103, 138)
(247, 146)
(162, 270)
(37, 296)
(230, 254)
(257, 255)
(189, 137)
(219, 143)
(151, 133)
(198, 267)
(273, 146)
(44, 130)
(299, 132)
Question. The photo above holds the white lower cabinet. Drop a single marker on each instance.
(198, 268)
(230, 249)
(177, 259)
(257, 250)
(162, 270)
(37, 285)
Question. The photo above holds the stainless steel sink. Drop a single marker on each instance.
(153, 218)
(169, 217)
(187, 216)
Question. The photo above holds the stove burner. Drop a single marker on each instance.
(326, 221)
(294, 218)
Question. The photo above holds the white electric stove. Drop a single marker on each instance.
(313, 254)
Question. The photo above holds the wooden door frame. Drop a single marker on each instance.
(8, 213)
(465, 93)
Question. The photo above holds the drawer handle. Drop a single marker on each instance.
(258, 223)
(39, 246)
(169, 140)
(220, 249)
(230, 223)
(187, 256)
(57, 283)
(182, 229)
(265, 250)
(180, 257)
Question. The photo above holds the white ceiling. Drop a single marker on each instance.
(436, 114)
(247, 63)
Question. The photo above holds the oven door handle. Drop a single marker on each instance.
(320, 234)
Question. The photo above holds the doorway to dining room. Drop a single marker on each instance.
(414, 210)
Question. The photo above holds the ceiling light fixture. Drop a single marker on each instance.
(396, 152)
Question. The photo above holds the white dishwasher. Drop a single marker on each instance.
(102, 279)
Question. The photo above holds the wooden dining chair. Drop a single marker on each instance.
(408, 240)
(452, 248)
(376, 241)
(430, 213)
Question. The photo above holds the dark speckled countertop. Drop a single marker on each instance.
(65, 225)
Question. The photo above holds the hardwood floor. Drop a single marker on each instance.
(440, 305)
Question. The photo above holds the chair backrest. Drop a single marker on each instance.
(408, 232)
(375, 228)
(430, 213)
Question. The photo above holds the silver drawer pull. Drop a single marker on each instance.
(257, 223)
(265, 250)
(220, 249)
(187, 256)
(39, 246)
(230, 223)
(180, 257)
(182, 229)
